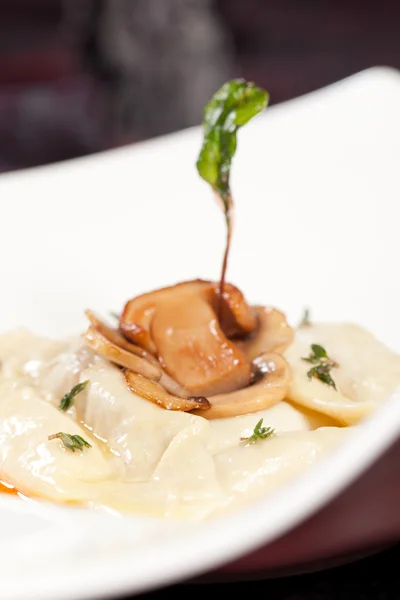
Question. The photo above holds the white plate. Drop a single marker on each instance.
(317, 192)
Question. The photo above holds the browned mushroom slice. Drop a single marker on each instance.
(179, 325)
(150, 390)
(273, 333)
(139, 334)
(100, 344)
(270, 387)
(114, 336)
(172, 386)
(138, 312)
(236, 317)
(194, 350)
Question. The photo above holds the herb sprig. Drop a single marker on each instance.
(323, 365)
(259, 433)
(231, 107)
(68, 399)
(70, 441)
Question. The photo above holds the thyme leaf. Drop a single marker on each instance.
(259, 433)
(322, 372)
(317, 353)
(70, 441)
(68, 399)
(323, 365)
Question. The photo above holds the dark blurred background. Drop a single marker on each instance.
(79, 76)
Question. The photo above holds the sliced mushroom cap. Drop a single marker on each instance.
(138, 312)
(140, 334)
(179, 325)
(100, 344)
(236, 317)
(273, 333)
(193, 349)
(270, 387)
(153, 391)
(190, 331)
(114, 336)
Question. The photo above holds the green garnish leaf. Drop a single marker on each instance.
(68, 399)
(72, 442)
(115, 315)
(322, 372)
(231, 107)
(259, 433)
(305, 320)
(317, 352)
(323, 365)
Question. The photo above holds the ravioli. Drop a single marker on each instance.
(367, 372)
(33, 463)
(162, 463)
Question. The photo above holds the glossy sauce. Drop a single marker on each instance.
(6, 488)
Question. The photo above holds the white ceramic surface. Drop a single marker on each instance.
(317, 191)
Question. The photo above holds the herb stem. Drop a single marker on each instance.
(229, 228)
(71, 442)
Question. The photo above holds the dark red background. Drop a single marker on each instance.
(57, 99)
